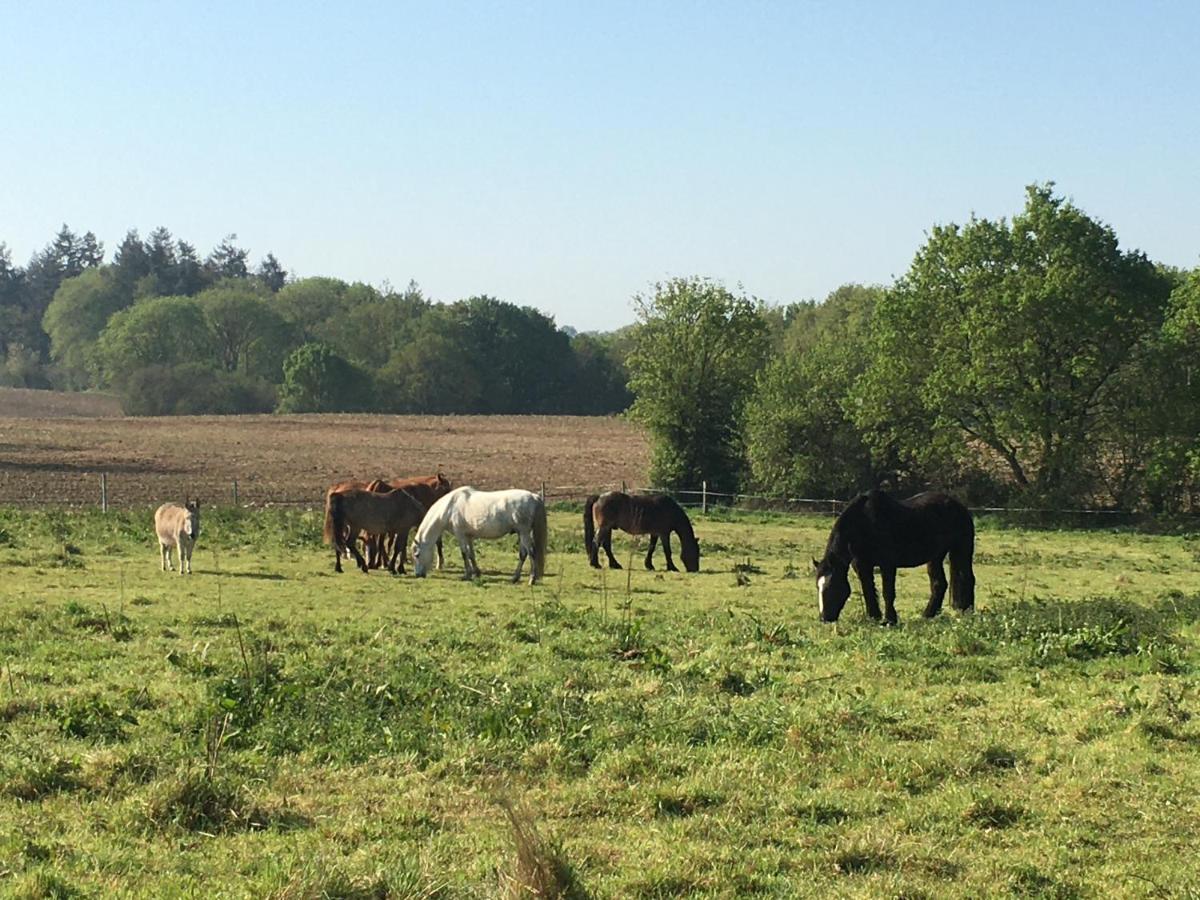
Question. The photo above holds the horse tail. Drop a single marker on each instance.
(327, 536)
(540, 537)
(962, 570)
(589, 525)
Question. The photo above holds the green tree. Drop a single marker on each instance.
(250, 336)
(800, 436)
(316, 379)
(162, 331)
(692, 367)
(1010, 336)
(78, 314)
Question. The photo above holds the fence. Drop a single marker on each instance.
(140, 489)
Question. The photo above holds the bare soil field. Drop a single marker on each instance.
(56, 404)
(291, 459)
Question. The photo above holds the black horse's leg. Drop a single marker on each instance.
(604, 539)
(962, 573)
(358, 558)
(866, 578)
(666, 542)
(650, 552)
(937, 586)
(887, 575)
(337, 555)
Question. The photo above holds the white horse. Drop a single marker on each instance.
(470, 514)
(179, 527)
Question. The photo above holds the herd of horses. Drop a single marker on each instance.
(874, 531)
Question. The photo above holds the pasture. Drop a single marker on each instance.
(268, 728)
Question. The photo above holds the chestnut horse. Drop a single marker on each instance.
(656, 515)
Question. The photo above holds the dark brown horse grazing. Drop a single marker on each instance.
(656, 515)
(877, 530)
(351, 511)
(424, 489)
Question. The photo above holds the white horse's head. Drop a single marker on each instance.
(422, 557)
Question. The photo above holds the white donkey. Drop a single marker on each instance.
(470, 514)
(179, 527)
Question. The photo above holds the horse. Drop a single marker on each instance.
(877, 530)
(471, 514)
(426, 490)
(350, 511)
(656, 515)
(179, 527)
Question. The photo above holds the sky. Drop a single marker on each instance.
(569, 155)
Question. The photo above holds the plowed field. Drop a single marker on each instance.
(291, 459)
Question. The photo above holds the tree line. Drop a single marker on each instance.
(172, 333)
(1030, 360)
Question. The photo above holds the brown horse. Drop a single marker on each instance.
(656, 515)
(424, 489)
(353, 510)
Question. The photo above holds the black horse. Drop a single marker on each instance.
(876, 530)
(656, 515)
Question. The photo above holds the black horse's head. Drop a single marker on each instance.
(833, 588)
(690, 552)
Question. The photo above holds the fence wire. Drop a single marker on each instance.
(110, 490)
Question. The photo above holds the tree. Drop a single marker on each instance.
(193, 389)
(1010, 337)
(66, 256)
(249, 334)
(692, 367)
(316, 379)
(78, 314)
(524, 363)
(272, 273)
(161, 331)
(228, 260)
(310, 302)
(602, 381)
(800, 436)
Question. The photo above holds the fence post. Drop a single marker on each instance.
(235, 493)
(704, 496)
(543, 492)
(624, 490)
(103, 492)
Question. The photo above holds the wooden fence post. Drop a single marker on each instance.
(704, 496)
(543, 492)
(235, 493)
(624, 489)
(103, 492)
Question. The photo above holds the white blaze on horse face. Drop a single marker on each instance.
(821, 595)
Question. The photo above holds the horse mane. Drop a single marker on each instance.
(847, 524)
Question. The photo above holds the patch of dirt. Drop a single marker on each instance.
(20, 402)
(292, 459)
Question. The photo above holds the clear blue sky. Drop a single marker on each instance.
(567, 155)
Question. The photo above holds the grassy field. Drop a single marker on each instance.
(268, 728)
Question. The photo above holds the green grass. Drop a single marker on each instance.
(268, 728)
